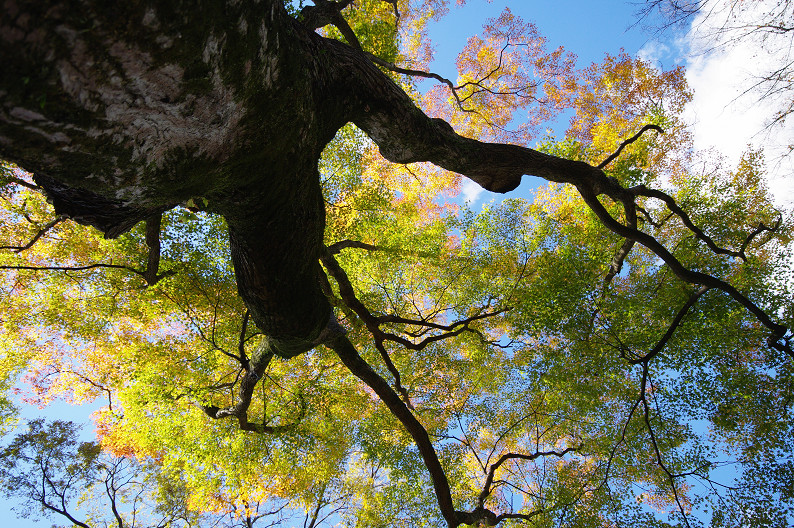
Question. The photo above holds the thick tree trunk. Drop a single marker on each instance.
(125, 110)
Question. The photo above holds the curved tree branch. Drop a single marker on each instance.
(41, 232)
(486, 489)
(760, 228)
(672, 328)
(257, 366)
(642, 190)
(343, 348)
(695, 277)
(628, 142)
(337, 248)
(326, 12)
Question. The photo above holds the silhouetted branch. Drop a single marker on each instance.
(695, 277)
(70, 268)
(243, 357)
(324, 13)
(337, 248)
(150, 274)
(628, 142)
(657, 452)
(255, 371)
(486, 490)
(761, 228)
(18, 181)
(342, 346)
(37, 236)
(672, 328)
(454, 89)
(373, 322)
(642, 190)
(394, 372)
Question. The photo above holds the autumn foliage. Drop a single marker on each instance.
(564, 376)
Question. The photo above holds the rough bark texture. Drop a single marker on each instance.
(124, 110)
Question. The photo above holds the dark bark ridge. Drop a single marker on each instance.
(124, 110)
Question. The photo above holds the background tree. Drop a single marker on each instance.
(50, 468)
(57, 476)
(389, 357)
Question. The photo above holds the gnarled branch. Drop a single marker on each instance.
(253, 373)
(486, 489)
(324, 13)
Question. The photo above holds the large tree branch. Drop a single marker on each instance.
(405, 134)
(342, 346)
(362, 370)
(681, 271)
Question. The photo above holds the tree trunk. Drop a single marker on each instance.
(125, 110)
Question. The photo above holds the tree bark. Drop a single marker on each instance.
(123, 110)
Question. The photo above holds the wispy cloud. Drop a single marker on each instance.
(730, 110)
(471, 191)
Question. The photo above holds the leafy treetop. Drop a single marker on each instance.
(547, 361)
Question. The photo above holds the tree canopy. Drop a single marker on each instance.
(237, 226)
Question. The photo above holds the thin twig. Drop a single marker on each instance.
(37, 236)
(628, 142)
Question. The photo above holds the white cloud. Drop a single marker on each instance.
(729, 111)
(653, 52)
(471, 191)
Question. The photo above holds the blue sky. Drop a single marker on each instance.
(589, 30)
(726, 114)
